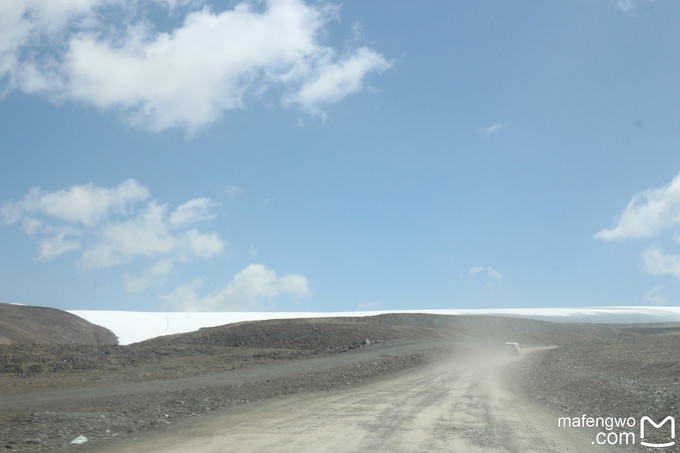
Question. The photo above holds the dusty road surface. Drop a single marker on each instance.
(459, 405)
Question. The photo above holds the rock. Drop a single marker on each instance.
(79, 440)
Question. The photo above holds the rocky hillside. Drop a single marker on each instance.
(327, 335)
(25, 325)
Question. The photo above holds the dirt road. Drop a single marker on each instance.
(458, 405)
(279, 370)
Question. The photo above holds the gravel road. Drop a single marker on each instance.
(264, 373)
(461, 404)
(109, 413)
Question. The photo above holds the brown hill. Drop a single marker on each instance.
(25, 325)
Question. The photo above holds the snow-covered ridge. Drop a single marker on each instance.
(131, 326)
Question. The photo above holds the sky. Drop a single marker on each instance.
(290, 155)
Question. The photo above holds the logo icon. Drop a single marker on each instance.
(654, 424)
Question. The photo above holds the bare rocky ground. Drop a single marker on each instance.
(631, 375)
(51, 394)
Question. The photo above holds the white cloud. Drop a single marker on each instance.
(476, 269)
(651, 213)
(624, 5)
(232, 191)
(31, 226)
(245, 292)
(185, 298)
(172, 4)
(655, 296)
(490, 272)
(85, 204)
(185, 77)
(336, 80)
(115, 226)
(655, 262)
(647, 214)
(494, 274)
(152, 276)
(24, 21)
(199, 245)
(193, 211)
(147, 235)
(120, 242)
(494, 128)
(58, 244)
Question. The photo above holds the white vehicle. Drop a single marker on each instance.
(512, 347)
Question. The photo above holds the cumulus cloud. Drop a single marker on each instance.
(651, 213)
(24, 23)
(648, 213)
(147, 235)
(246, 292)
(115, 226)
(84, 204)
(184, 77)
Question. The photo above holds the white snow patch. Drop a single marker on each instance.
(132, 327)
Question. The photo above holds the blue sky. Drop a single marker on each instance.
(317, 156)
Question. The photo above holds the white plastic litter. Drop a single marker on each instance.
(79, 440)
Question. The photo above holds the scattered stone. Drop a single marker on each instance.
(79, 440)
